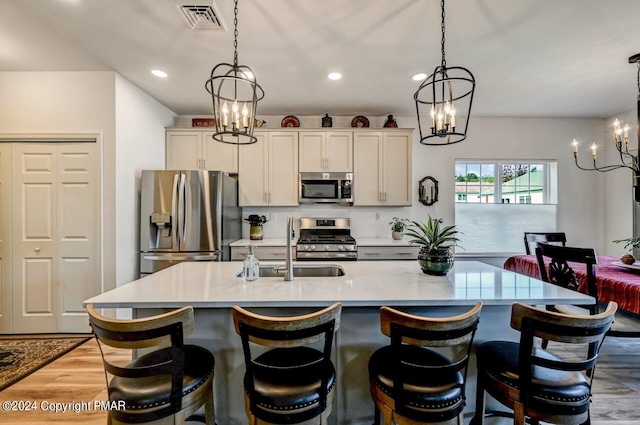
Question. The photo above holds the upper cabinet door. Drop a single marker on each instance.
(397, 169)
(218, 156)
(367, 170)
(183, 150)
(312, 156)
(339, 151)
(283, 169)
(253, 173)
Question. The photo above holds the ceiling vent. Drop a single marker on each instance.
(200, 17)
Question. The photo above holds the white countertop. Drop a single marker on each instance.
(360, 241)
(399, 283)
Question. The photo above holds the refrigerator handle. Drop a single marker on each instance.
(181, 196)
(186, 210)
(174, 213)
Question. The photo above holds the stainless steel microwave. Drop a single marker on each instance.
(326, 188)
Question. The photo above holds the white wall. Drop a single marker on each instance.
(68, 102)
(132, 127)
(581, 208)
(140, 122)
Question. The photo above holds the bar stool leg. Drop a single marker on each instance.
(518, 414)
(478, 418)
(376, 416)
(209, 411)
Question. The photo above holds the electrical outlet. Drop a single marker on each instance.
(377, 216)
(272, 216)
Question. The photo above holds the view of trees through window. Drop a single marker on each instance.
(500, 182)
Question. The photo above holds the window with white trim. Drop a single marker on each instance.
(496, 201)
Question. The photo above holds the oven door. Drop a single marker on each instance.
(316, 191)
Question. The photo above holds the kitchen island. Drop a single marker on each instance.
(212, 288)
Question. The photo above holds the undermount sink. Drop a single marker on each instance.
(300, 270)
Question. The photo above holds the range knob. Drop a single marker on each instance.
(340, 248)
(313, 247)
(326, 247)
(306, 247)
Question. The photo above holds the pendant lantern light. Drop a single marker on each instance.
(443, 102)
(235, 94)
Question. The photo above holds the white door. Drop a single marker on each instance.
(5, 238)
(56, 210)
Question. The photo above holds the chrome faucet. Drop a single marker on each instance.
(288, 274)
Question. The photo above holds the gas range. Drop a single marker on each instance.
(326, 239)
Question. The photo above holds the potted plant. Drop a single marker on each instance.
(630, 244)
(435, 256)
(397, 227)
(255, 223)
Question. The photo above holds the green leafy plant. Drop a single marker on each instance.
(431, 235)
(629, 243)
(398, 224)
(256, 220)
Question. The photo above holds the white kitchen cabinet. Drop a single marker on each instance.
(326, 151)
(268, 170)
(196, 150)
(382, 168)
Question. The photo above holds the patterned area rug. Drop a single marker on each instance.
(20, 357)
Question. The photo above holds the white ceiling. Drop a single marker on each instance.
(529, 57)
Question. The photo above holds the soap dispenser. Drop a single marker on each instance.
(250, 266)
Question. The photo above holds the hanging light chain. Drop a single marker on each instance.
(444, 62)
(638, 62)
(235, 34)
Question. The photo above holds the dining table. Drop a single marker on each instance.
(616, 281)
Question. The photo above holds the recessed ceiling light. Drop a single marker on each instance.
(159, 73)
(334, 76)
(419, 76)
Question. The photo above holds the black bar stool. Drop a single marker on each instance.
(174, 380)
(411, 383)
(292, 382)
(534, 382)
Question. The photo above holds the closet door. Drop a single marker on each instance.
(55, 199)
(5, 238)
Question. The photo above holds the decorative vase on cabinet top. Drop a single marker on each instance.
(327, 121)
(390, 122)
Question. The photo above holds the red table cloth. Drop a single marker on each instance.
(614, 283)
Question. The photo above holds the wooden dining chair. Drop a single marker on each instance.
(172, 381)
(533, 238)
(293, 382)
(542, 384)
(421, 376)
(559, 272)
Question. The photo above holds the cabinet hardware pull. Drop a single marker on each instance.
(371, 253)
(404, 253)
(36, 249)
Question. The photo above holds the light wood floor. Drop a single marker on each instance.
(78, 377)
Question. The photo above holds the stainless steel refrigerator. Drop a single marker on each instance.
(187, 215)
